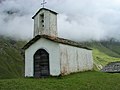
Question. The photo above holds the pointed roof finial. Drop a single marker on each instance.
(43, 3)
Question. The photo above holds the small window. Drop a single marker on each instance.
(42, 15)
(42, 21)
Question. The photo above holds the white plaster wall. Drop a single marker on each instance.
(38, 29)
(53, 25)
(36, 25)
(54, 62)
(50, 24)
(74, 59)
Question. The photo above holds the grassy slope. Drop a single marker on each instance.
(104, 52)
(101, 59)
(113, 46)
(11, 60)
(78, 81)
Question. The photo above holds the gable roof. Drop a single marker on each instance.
(54, 39)
(44, 9)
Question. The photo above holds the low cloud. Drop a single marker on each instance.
(79, 20)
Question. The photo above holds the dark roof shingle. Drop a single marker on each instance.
(55, 39)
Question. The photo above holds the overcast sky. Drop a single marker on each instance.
(79, 20)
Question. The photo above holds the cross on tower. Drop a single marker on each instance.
(43, 3)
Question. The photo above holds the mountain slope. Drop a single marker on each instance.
(113, 46)
(107, 47)
(11, 60)
(104, 52)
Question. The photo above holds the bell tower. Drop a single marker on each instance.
(45, 22)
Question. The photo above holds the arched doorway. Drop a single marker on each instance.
(41, 63)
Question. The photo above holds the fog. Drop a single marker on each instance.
(80, 20)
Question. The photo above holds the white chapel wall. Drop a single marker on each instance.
(53, 50)
(74, 59)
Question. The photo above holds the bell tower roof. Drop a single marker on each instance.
(45, 10)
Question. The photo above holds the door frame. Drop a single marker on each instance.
(34, 62)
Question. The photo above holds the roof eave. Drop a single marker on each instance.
(55, 39)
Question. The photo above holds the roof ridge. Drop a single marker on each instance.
(55, 39)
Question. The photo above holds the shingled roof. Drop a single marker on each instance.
(55, 39)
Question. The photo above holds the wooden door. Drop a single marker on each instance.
(41, 63)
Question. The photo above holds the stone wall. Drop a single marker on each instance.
(113, 67)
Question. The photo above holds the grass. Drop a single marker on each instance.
(107, 48)
(101, 59)
(104, 53)
(78, 81)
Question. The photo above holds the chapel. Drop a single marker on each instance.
(49, 55)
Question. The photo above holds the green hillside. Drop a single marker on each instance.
(11, 60)
(104, 52)
(107, 47)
